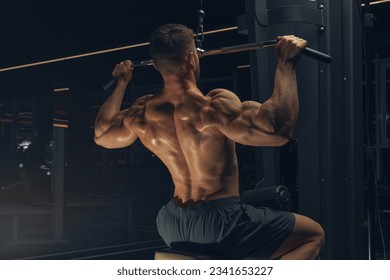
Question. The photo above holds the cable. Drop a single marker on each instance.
(230, 28)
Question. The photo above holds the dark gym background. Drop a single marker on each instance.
(63, 197)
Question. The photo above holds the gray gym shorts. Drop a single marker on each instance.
(225, 227)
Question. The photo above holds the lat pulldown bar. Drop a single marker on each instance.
(234, 49)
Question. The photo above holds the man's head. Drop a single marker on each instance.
(172, 47)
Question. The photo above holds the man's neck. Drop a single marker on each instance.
(177, 85)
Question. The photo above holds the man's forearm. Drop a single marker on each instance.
(281, 110)
(110, 108)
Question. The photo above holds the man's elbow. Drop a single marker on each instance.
(282, 140)
(99, 140)
(283, 135)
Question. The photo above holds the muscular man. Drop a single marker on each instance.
(194, 135)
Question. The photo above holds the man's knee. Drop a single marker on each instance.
(319, 235)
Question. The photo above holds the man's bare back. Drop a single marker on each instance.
(177, 128)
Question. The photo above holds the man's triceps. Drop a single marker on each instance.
(117, 133)
(254, 126)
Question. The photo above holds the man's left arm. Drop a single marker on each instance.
(112, 129)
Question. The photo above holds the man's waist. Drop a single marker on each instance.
(204, 206)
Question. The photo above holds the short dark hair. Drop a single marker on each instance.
(169, 46)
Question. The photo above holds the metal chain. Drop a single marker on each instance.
(199, 38)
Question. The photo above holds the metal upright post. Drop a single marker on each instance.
(353, 131)
(58, 181)
(15, 124)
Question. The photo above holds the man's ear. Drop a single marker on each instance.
(192, 59)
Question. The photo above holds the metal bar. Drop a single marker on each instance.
(247, 47)
(239, 48)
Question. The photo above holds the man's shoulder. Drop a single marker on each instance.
(221, 97)
(138, 106)
(222, 102)
(219, 92)
(142, 100)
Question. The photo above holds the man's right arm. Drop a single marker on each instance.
(246, 122)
